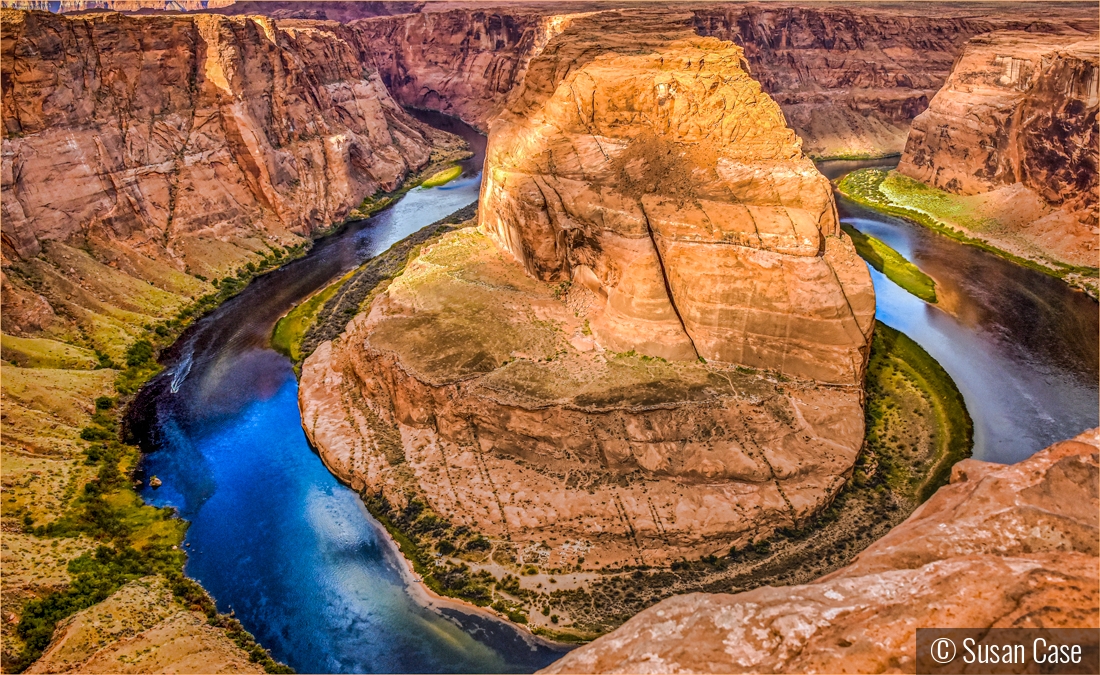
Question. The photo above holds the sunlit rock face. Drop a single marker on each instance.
(1019, 115)
(668, 184)
(1000, 547)
(642, 198)
(166, 132)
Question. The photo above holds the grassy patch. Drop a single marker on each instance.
(891, 263)
(291, 329)
(442, 177)
(898, 195)
(896, 363)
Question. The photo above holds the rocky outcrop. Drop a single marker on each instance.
(460, 62)
(474, 387)
(664, 182)
(1001, 546)
(142, 155)
(660, 212)
(850, 80)
(170, 129)
(1018, 118)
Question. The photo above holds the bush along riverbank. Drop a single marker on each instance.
(897, 195)
(125, 538)
(325, 315)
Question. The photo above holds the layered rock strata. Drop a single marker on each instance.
(474, 387)
(460, 62)
(1017, 119)
(1000, 547)
(601, 397)
(665, 183)
(141, 152)
(851, 80)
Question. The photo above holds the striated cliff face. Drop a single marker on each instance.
(667, 185)
(183, 145)
(660, 211)
(850, 81)
(1018, 118)
(461, 62)
(1001, 546)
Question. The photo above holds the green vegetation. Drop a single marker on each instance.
(891, 263)
(135, 540)
(415, 528)
(291, 329)
(443, 177)
(890, 192)
(898, 363)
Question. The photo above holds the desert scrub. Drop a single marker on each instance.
(892, 193)
(891, 263)
(917, 427)
(371, 277)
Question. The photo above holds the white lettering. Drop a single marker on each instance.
(1054, 654)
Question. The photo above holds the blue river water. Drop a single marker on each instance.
(295, 555)
(274, 537)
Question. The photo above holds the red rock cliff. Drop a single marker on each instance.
(643, 163)
(850, 81)
(1018, 108)
(182, 144)
(462, 62)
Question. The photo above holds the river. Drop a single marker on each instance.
(274, 537)
(295, 555)
(1022, 346)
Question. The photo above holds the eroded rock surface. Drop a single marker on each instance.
(1001, 546)
(1017, 120)
(850, 80)
(645, 165)
(461, 62)
(474, 387)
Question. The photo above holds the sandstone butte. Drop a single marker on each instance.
(1015, 124)
(1000, 546)
(567, 374)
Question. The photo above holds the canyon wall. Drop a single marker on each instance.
(850, 81)
(1001, 546)
(595, 372)
(1018, 116)
(644, 164)
(183, 145)
(462, 62)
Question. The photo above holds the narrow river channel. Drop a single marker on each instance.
(273, 536)
(294, 554)
(1022, 346)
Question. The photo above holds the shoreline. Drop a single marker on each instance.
(1071, 275)
(414, 583)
